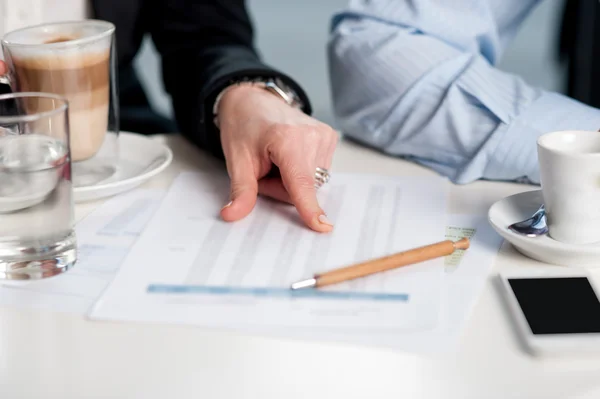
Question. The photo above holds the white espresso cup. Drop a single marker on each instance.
(570, 176)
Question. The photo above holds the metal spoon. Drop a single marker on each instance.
(534, 226)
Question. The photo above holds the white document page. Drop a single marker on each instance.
(104, 238)
(190, 267)
(465, 276)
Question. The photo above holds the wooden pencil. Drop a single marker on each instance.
(410, 257)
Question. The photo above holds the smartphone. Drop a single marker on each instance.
(554, 315)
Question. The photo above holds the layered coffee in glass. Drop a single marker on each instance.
(75, 60)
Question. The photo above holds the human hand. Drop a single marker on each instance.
(3, 68)
(260, 131)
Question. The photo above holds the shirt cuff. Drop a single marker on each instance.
(512, 153)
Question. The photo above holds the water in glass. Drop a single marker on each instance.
(36, 194)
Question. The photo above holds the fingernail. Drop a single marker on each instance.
(323, 219)
(227, 205)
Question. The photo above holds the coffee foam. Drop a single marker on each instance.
(62, 55)
(81, 34)
(61, 39)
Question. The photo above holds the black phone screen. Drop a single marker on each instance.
(558, 305)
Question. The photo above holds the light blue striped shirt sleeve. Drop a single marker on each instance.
(416, 78)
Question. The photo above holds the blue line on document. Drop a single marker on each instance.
(273, 292)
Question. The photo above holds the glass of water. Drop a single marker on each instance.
(37, 239)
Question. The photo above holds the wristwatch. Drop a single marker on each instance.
(273, 85)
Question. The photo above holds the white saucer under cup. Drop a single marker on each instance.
(140, 159)
(569, 164)
(543, 248)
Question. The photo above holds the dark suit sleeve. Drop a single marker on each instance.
(205, 45)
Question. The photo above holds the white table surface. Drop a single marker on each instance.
(53, 355)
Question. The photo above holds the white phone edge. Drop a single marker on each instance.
(551, 344)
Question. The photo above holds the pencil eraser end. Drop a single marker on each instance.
(462, 243)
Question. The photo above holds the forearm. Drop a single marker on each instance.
(413, 95)
(204, 48)
(194, 83)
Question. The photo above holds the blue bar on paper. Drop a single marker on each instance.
(273, 292)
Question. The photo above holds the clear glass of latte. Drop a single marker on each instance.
(75, 60)
(37, 238)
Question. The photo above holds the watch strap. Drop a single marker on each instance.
(273, 85)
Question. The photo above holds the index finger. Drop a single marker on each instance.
(298, 179)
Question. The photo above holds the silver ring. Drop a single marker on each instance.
(322, 176)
